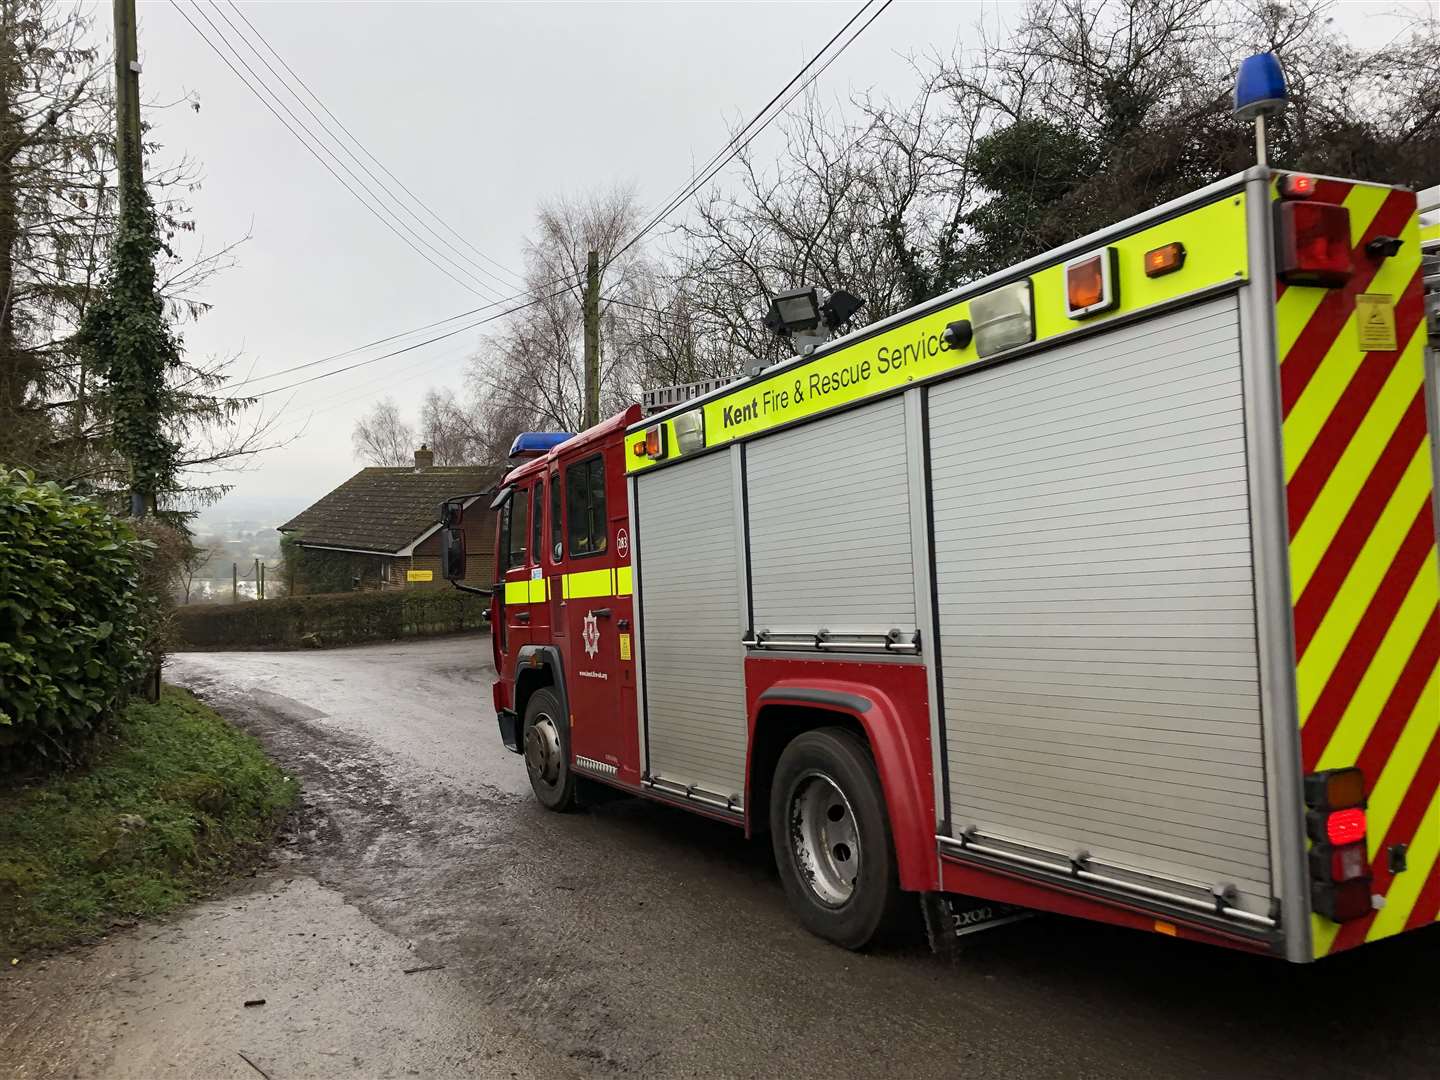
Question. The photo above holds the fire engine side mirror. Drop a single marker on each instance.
(452, 553)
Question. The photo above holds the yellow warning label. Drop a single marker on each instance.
(624, 646)
(1375, 315)
(419, 575)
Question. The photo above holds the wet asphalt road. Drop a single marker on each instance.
(632, 938)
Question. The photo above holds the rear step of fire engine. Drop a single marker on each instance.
(951, 918)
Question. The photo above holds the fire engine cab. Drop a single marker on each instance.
(1106, 585)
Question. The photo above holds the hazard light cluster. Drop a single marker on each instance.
(1312, 239)
(689, 437)
(1339, 862)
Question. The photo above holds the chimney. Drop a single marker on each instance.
(424, 458)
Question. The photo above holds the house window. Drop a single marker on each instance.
(585, 506)
(516, 522)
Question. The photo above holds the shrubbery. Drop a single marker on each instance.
(333, 619)
(72, 629)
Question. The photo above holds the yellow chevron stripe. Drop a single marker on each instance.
(1399, 772)
(1299, 304)
(1322, 934)
(1405, 888)
(1335, 373)
(1348, 608)
(1354, 467)
(1380, 679)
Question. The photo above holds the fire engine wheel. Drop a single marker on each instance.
(547, 755)
(832, 839)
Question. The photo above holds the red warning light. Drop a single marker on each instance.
(1312, 243)
(1296, 186)
(1345, 826)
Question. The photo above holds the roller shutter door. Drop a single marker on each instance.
(1097, 627)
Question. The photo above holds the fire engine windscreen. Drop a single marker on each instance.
(1002, 319)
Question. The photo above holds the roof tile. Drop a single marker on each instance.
(385, 509)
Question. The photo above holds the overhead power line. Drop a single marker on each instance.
(408, 240)
(371, 344)
(456, 233)
(567, 282)
(737, 143)
(407, 348)
(741, 139)
(490, 274)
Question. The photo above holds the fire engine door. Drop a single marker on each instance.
(539, 587)
(594, 611)
(515, 576)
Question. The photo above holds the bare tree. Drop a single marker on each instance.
(532, 373)
(452, 428)
(873, 204)
(1099, 110)
(381, 436)
(193, 559)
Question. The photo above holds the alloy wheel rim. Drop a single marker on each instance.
(825, 838)
(542, 750)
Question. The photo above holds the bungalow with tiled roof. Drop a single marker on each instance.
(381, 528)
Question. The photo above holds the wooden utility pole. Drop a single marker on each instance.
(592, 339)
(127, 96)
(127, 142)
(234, 583)
(262, 580)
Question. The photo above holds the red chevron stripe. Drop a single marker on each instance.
(1332, 191)
(1401, 831)
(1304, 357)
(1427, 904)
(1359, 523)
(1396, 712)
(1350, 411)
(1360, 650)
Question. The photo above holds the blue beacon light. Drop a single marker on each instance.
(1259, 91)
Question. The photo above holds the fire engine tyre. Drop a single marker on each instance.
(832, 839)
(545, 740)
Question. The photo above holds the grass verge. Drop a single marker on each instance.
(177, 798)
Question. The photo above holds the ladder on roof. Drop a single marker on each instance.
(1430, 259)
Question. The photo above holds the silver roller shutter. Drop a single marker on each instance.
(830, 525)
(691, 620)
(1093, 569)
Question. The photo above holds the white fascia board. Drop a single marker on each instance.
(352, 551)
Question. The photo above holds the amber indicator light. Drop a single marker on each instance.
(1164, 260)
(1085, 283)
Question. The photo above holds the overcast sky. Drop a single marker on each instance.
(481, 110)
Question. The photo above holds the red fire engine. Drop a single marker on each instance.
(1106, 585)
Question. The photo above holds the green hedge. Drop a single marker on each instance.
(328, 619)
(72, 639)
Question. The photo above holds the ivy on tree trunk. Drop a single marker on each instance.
(130, 343)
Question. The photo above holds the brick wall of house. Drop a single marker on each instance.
(479, 528)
